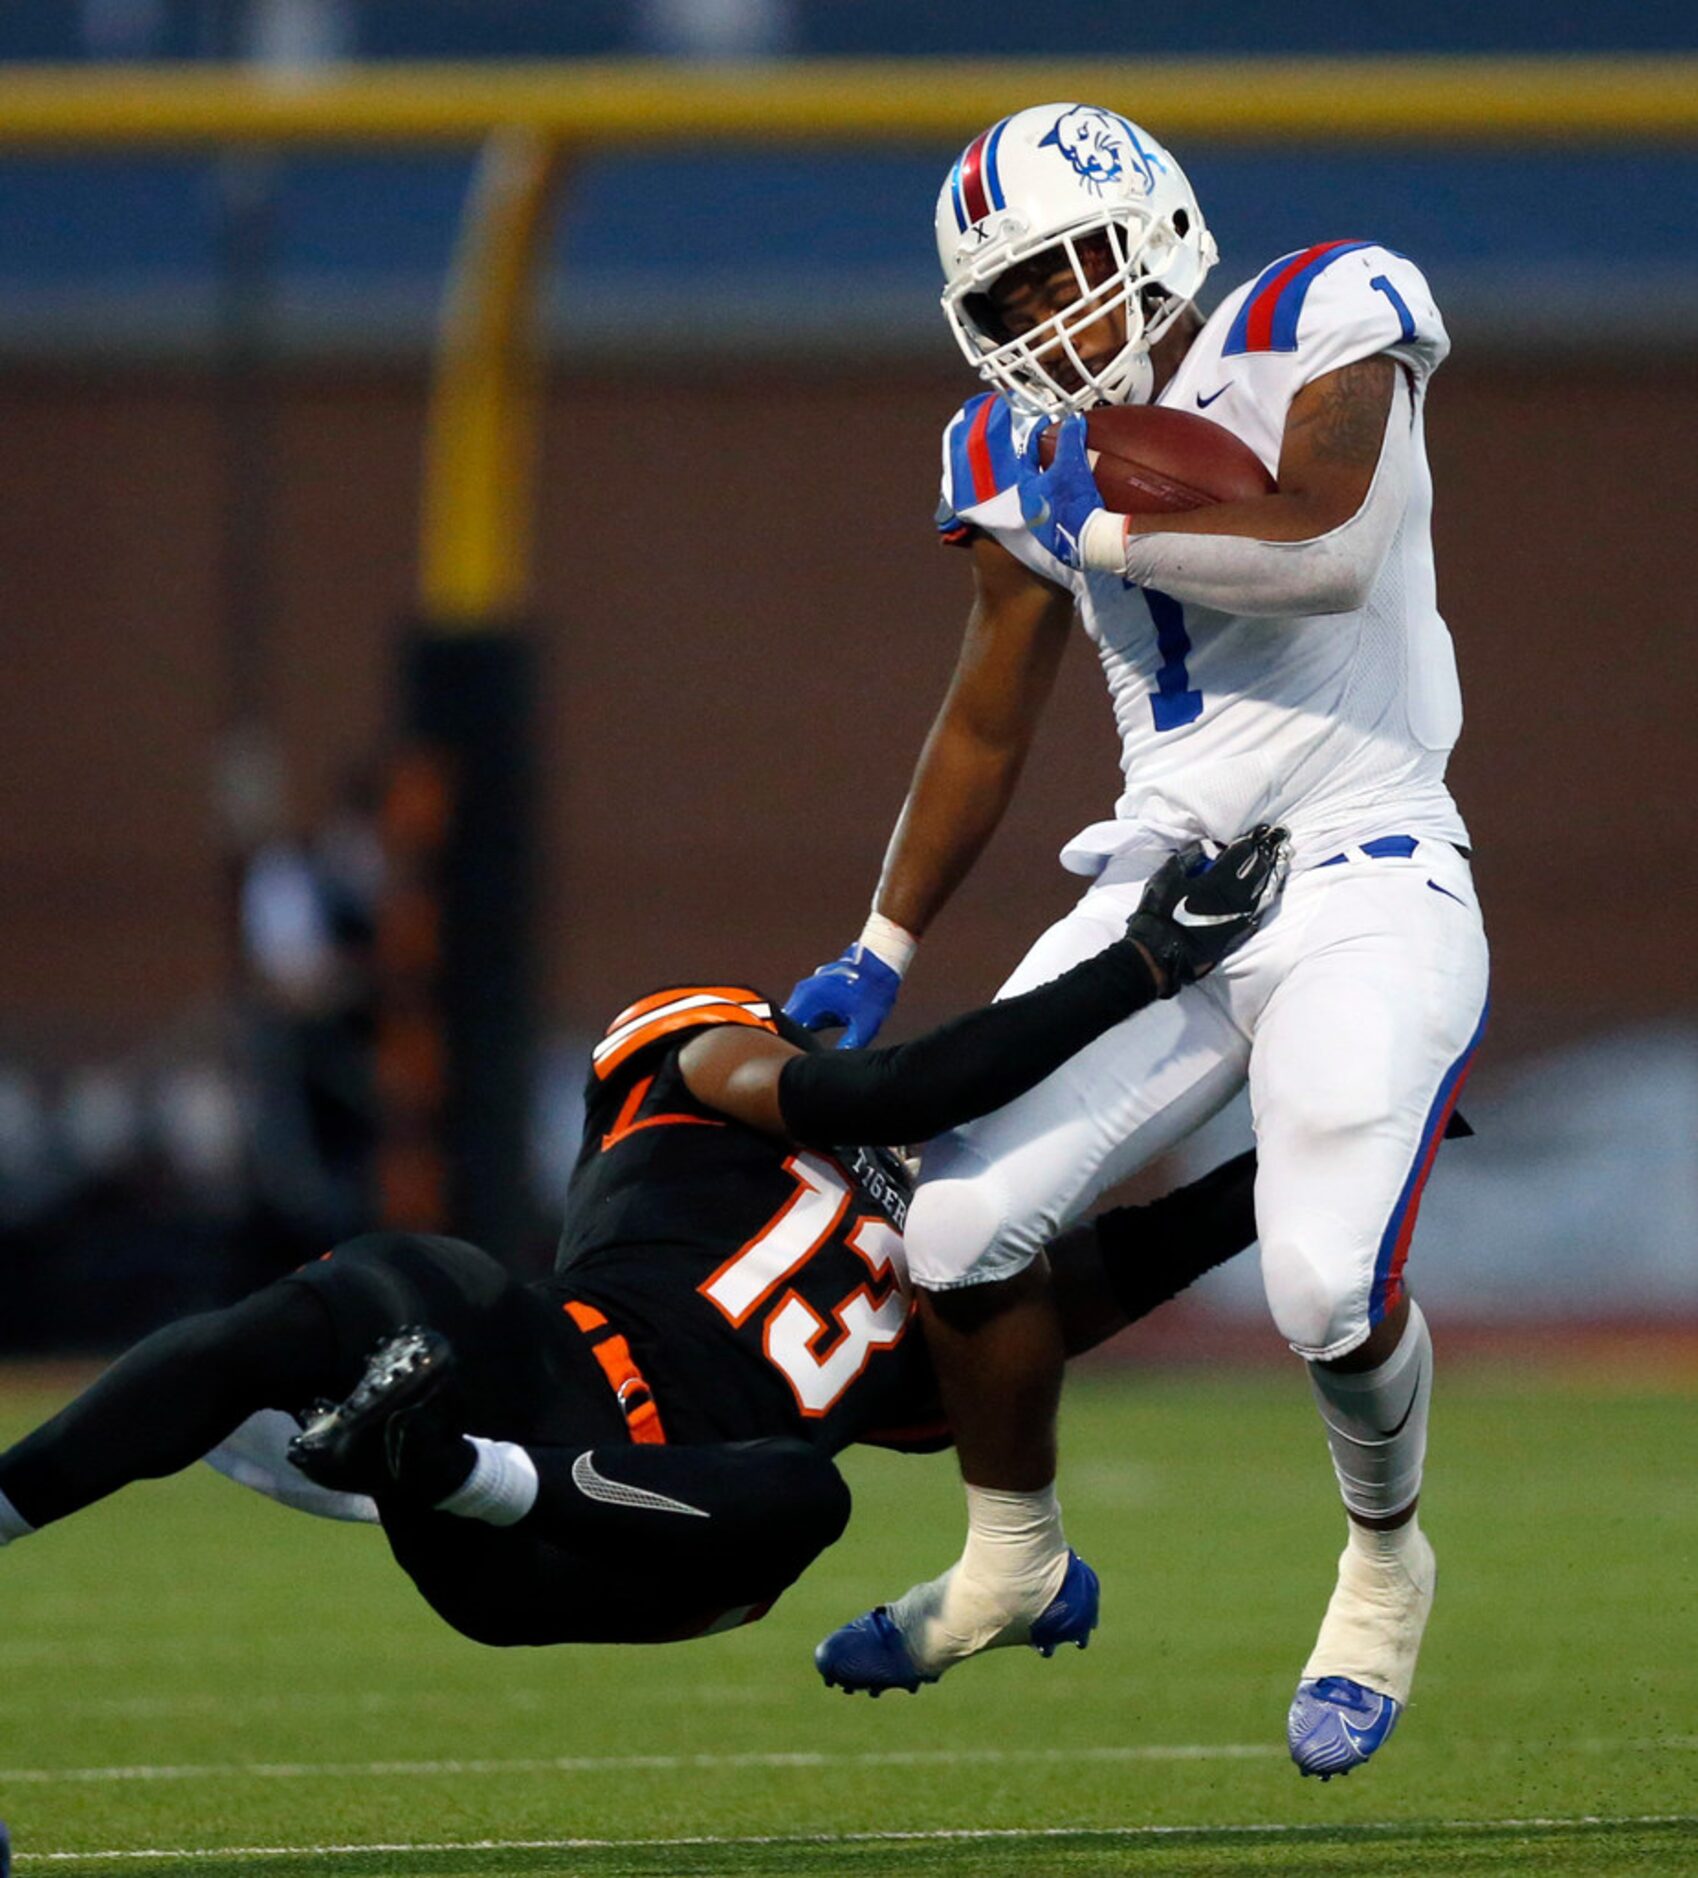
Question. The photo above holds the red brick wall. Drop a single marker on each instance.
(747, 627)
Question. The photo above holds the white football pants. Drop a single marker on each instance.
(1353, 1012)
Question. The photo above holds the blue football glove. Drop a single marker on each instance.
(856, 990)
(1056, 503)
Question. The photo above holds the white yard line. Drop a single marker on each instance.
(672, 1763)
(371, 1702)
(627, 1763)
(1381, 1829)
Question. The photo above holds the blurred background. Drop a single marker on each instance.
(308, 829)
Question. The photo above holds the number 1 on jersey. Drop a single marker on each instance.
(1405, 319)
(1172, 703)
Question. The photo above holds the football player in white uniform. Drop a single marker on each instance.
(1276, 659)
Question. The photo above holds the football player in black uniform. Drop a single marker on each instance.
(639, 1448)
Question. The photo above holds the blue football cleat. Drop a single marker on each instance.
(1071, 1615)
(1335, 1724)
(869, 1653)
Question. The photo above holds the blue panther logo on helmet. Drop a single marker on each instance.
(1095, 143)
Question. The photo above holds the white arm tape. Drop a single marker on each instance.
(894, 944)
(1333, 573)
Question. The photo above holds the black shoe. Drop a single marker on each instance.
(393, 1432)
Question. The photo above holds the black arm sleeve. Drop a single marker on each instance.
(965, 1068)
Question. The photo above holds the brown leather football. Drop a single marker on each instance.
(1150, 460)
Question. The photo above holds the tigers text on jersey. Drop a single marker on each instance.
(1338, 725)
(762, 1287)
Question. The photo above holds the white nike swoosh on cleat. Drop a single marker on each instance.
(1356, 1740)
(596, 1486)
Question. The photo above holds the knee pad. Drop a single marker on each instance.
(951, 1225)
(956, 1230)
(1317, 1288)
(808, 1498)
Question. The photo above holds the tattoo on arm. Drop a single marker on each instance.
(1346, 423)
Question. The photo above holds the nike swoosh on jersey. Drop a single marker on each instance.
(1204, 403)
(1183, 917)
(596, 1486)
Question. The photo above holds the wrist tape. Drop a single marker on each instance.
(889, 943)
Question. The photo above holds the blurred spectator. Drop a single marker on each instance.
(29, 1180)
(308, 923)
(717, 29)
(101, 1117)
(297, 35)
(122, 29)
(201, 1132)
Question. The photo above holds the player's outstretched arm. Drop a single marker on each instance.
(1192, 914)
(966, 773)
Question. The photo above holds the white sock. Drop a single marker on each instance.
(1386, 1546)
(13, 1525)
(501, 1488)
(1008, 1574)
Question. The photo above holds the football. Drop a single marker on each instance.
(1148, 459)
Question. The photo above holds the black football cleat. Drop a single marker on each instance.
(388, 1432)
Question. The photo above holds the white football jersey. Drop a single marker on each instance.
(1337, 725)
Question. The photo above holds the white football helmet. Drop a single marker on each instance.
(1055, 176)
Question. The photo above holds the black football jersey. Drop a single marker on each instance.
(761, 1286)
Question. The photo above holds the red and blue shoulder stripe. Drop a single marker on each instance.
(1267, 321)
(982, 460)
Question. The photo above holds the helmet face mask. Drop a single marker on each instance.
(1072, 189)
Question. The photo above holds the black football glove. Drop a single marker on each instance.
(1194, 911)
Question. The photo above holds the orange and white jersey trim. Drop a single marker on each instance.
(682, 1007)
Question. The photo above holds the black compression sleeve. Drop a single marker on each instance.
(965, 1068)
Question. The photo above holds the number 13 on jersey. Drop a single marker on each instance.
(793, 1331)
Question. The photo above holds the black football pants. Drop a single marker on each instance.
(625, 1543)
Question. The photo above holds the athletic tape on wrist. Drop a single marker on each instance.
(1102, 542)
(891, 944)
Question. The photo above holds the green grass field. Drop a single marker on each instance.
(194, 1680)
